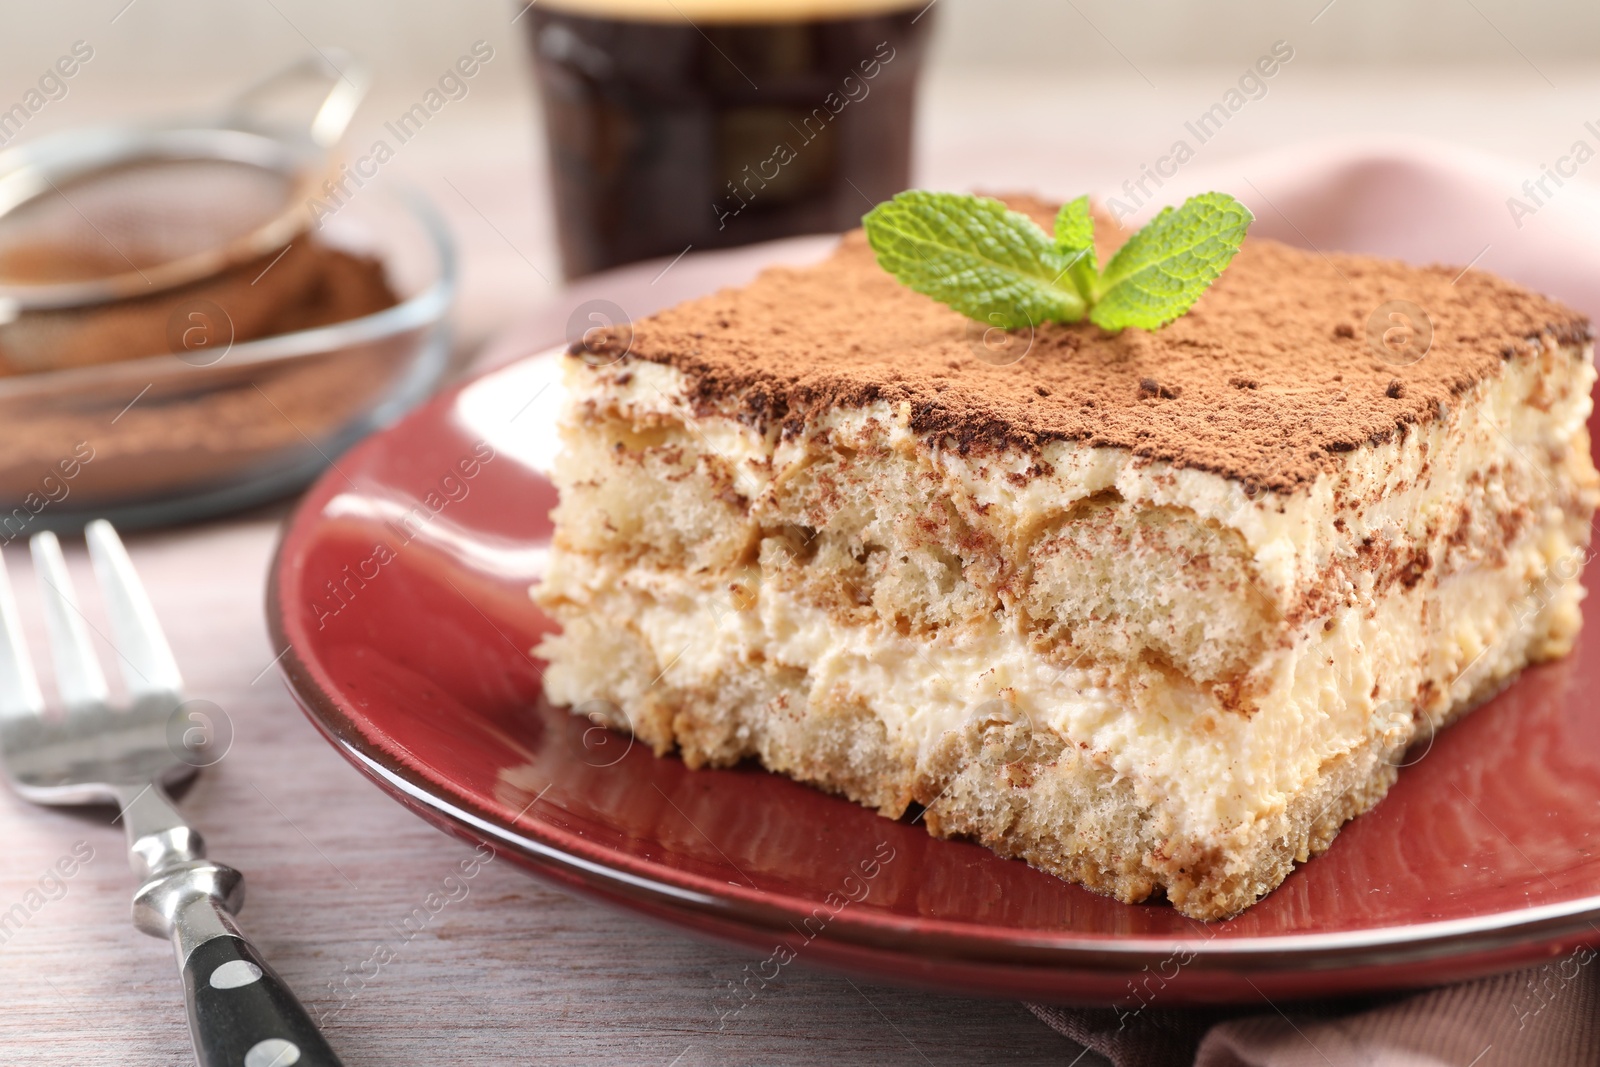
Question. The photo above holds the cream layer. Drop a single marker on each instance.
(1356, 678)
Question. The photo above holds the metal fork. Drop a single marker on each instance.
(241, 1014)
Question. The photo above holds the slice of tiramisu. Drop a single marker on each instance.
(1153, 611)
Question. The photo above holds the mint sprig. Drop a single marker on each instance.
(974, 254)
(999, 267)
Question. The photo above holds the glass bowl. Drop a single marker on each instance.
(170, 438)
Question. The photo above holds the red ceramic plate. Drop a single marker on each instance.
(401, 591)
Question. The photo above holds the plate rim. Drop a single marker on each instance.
(687, 894)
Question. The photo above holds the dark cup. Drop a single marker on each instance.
(669, 134)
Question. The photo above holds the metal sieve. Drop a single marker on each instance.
(89, 216)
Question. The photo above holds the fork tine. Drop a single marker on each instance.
(19, 687)
(148, 664)
(78, 675)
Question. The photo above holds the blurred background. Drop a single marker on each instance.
(1053, 95)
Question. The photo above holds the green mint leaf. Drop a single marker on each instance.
(1074, 227)
(974, 255)
(998, 267)
(1164, 268)
(1075, 243)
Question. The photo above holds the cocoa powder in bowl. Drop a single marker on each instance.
(310, 284)
(168, 430)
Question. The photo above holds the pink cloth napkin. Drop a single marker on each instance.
(1425, 203)
(1545, 1017)
(1418, 201)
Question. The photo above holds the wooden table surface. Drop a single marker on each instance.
(517, 973)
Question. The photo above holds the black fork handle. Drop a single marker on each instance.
(242, 1014)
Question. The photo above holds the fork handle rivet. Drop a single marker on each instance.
(233, 974)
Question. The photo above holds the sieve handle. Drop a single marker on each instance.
(346, 77)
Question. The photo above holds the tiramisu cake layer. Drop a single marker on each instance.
(1151, 611)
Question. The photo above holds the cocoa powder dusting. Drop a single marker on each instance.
(1267, 378)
